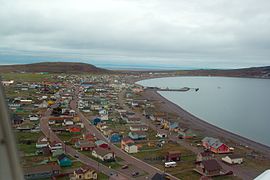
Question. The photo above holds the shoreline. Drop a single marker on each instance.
(206, 128)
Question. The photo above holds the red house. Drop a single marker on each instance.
(102, 144)
(173, 156)
(74, 129)
(215, 145)
(88, 136)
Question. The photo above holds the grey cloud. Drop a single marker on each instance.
(181, 32)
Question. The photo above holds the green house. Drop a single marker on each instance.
(64, 161)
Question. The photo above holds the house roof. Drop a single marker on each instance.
(83, 170)
(99, 142)
(173, 152)
(215, 143)
(102, 151)
(235, 156)
(62, 156)
(126, 139)
(42, 140)
(88, 144)
(211, 165)
(158, 176)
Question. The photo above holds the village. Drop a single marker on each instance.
(104, 127)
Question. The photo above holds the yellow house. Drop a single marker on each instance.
(50, 102)
(85, 173)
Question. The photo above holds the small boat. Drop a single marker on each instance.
(196, 89)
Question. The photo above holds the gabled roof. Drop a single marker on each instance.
(215, 143)
(62, 156)
(102, 151)
(211, 165)
(99, 142)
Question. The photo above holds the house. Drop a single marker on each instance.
(64, 161)
(42, 142)
(233, 159)
(74, 129)
(55, 146)
(33, 117)
(202, 156)
(96, 121)
(115, 137)
(131, 148)
(68, 123)
(138, 135)
(42, 171)
(85, 145)
(89, 136)
(46, 151)
(161, 134)
(159, 176)
(133, 120)
(173, 126)
(173, 156)
(209, 168)
(104, 117)
(185, 133)
(103, 112)
(138, 127)
(124, 141)
(101, 144)
(215, 145)
(103, 154)
(84, 173)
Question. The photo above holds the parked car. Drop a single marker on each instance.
(76, 156)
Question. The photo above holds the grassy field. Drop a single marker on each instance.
(183, 167)
(26, 141)
(27, 77)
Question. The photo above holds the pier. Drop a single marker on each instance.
(184, 89)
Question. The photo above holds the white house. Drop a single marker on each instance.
(138, 127)
(233, 159)
(131, 148)
(161, 135)
(33, 117)
(42, 142)
(103, 154)
(104, 117)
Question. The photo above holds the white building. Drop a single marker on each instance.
(233, 159)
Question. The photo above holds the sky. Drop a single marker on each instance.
(137, 33)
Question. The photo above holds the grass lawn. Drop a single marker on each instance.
(102, 176)
(188, 175)
(155, 158)
(114, 165)
(32, 137)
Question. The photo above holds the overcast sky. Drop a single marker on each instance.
(172, 33)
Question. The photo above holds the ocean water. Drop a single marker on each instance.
(239, 105)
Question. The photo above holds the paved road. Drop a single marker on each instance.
(151, 170)
(69, 150)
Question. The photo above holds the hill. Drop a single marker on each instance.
(53, 67)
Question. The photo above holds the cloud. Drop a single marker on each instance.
(207, 33)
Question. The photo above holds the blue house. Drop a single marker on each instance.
(115, 137)
(64, 161)
(138, 135)
(96, 121)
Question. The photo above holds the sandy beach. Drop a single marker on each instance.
(207, 129)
